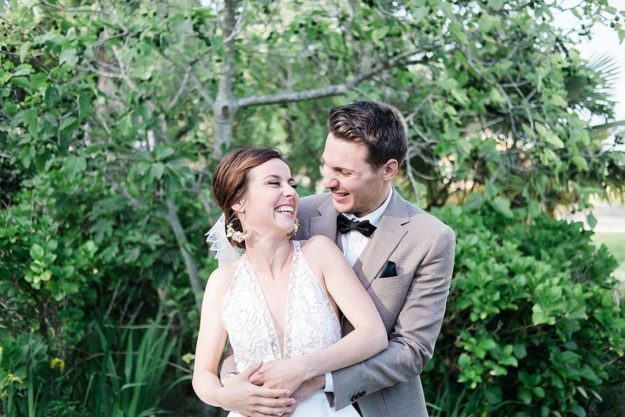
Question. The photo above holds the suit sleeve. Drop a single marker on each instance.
(412, 338)
(227, 362)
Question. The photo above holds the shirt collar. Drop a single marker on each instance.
(375, 216)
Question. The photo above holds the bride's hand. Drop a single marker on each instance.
(286, 374)
(240, 395)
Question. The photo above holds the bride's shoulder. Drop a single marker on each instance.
(318, 244)
(220, 279)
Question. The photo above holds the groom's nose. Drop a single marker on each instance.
(330, 181)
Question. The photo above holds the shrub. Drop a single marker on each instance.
(532, 317)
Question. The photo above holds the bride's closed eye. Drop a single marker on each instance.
(276, 183)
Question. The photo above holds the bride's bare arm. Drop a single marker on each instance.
(243, 397)
(368, 338)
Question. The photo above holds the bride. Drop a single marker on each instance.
(280, 300)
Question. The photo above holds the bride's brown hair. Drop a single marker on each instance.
(231, 179)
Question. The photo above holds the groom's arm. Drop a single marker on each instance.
(228, 367)
(412, 338)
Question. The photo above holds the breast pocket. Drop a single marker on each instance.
(389, 294)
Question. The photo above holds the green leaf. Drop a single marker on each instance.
(549, 136)
(538, 392)
(21, 82)
(496, 97)
(458, 33)
(68, 56)
(163, 152)
(74, 165)
(24, 69)
(580, 162)
(558, 100)
(525, 396)
(519, 350)
(591, 220)
(502, 205)
(157, 169)
(464, 361)
(68, 123)
(493, 395)
(38, 81)
(474, 201)
(496, 4)
(84, 106)
(36, 252)
(487, 344)
(24, 48)
(579, 411)
(487, 22)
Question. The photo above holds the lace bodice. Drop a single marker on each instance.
(311, 323)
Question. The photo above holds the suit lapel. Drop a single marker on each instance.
(389, 233)
(384, 241)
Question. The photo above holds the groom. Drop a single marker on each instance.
(402, 255)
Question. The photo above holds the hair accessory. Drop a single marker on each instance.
(218, 243)
(293, 231)
(237, 236)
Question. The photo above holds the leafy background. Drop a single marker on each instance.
(114, 114)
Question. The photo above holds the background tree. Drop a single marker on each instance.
(114, 114)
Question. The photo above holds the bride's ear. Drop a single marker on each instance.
(238, 207)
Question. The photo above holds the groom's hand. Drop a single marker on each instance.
(242, 396)
(306, 390)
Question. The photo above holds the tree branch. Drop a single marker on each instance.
(609, 125)
(121, 190)
(332, 90)
(183, 243)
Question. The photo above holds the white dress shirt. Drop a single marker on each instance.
(354, 243)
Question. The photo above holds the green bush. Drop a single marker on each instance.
(532, 317)
(31, 380)
(115, 372)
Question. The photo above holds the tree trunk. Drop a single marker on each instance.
(223, 110)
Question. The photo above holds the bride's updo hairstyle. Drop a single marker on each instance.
(231, 179)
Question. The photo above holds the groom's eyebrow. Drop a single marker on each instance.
(336, 168)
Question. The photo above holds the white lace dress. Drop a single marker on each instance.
(311, 325)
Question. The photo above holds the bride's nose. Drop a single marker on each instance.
(288, 191)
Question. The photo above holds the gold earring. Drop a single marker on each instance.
(293, 231)
(237, 236)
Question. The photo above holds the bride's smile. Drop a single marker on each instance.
(270, 202)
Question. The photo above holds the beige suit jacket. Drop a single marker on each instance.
(411, 304)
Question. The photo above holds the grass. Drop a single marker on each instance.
(615, 243)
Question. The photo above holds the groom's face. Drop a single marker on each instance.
(356, 187)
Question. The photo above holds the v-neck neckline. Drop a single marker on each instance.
(265, 305)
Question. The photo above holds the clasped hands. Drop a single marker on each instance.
(270, 389)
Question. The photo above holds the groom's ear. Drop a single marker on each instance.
(390, 169)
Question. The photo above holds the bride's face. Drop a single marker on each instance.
(270, 202)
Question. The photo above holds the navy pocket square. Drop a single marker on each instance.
(389, 270)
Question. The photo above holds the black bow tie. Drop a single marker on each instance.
(346, 225)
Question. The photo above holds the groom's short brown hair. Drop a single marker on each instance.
(377, 125)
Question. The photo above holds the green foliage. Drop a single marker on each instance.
(28, 380)
(615, 242)
(533, 316)
(114, 113)
(125, 373)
